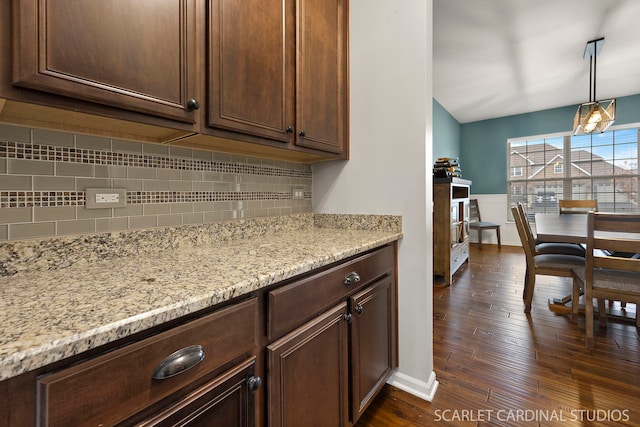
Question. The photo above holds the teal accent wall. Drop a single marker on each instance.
(483, 144)
(446, 133)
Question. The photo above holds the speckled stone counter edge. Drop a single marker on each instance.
(61, 252)
(314, 250)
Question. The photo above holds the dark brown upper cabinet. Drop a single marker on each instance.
(278, 70)
(136, 55)
(251, 77)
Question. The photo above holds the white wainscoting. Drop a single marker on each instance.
(493, 208)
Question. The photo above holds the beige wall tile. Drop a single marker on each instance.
(129, 184)
(74, 169)
(130, 210)
(54, 183)
(3, 165)
(168, 174)
(9, 215)
(93, 142)
(34, 230)
(155, 149)
(156, 208)
(112, 224)
(84, 183)
(54, 213)
(181, 152)
(4, 232)
(213, 216)
(30, 167)
(191, 175)
(50, 137)
(167, 220)
(109, 171)
(15, 133)
(181, 207)
(155, 185)
(83, 213)
(76, 227)
(203, 155)
(202, 186)
(179, 185)
(18, 182)
(203, 206)
(126, 146)
(193, 218)
(141, 173)
(143, 221)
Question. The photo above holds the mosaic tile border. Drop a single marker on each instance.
(27, 199)
(27, 151)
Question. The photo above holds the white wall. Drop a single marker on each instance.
(493, 208)
(390, 167)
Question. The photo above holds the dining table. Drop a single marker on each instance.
(569, 228)
(561, 228)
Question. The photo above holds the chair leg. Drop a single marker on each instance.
(529, 287)
(575, 298)
(479, 238)
(602, 313)
(588, 315)
(498, 234)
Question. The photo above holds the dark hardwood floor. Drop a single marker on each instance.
(498, 366)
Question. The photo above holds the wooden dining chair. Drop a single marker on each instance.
(568, 206)
(550, 247)
(540, 264)
(605, 276)
(476, 222)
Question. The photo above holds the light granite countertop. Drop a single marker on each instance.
(48, 314)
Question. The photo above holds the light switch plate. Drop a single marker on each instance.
(100, 198)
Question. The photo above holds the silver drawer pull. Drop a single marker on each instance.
(351, 278)
(178, 362)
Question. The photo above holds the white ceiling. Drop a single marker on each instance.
(496, 58)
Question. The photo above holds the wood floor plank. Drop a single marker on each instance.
(493, 360)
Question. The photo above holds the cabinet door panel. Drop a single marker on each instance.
(251, 68)
(138, 55)
(373, 350)
(226, 401)
(308, 371)
(321, 112)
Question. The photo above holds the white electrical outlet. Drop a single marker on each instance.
(297, 193)
(100, 198)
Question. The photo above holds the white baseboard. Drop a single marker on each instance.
(425, 390)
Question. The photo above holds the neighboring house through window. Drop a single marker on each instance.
(604, 166)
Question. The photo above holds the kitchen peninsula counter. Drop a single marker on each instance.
(62, 297)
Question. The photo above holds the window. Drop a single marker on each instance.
(557, 168)
(599, 166)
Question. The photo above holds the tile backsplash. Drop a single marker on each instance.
(44, 174)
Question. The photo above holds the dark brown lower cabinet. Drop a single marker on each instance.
(373, 349)
(308, 373)
(227, 400)
(327, 371)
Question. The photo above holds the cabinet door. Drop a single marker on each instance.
(136, 55)
(321, 75)
(373, 343)
(226, 401)
(250, 70)
(308, 371)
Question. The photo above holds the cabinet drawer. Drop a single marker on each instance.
(117, 385)
(459, 255)
(293, 304)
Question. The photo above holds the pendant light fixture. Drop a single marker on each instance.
(594, 116)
